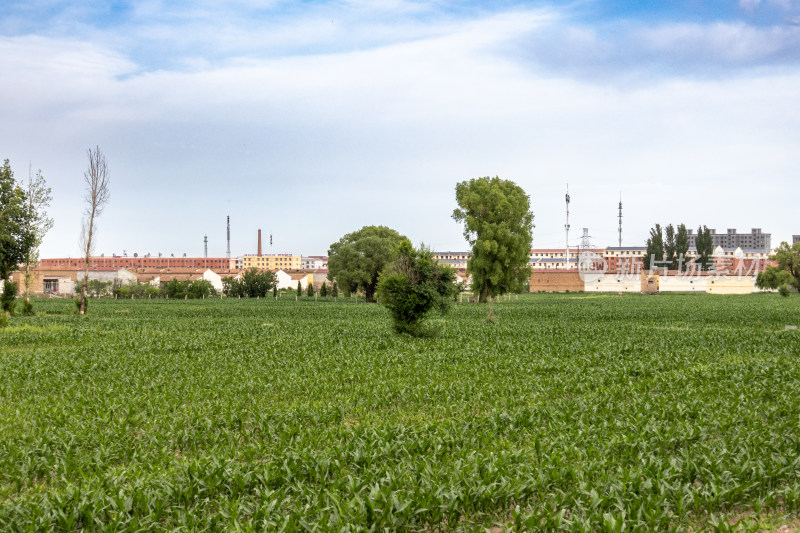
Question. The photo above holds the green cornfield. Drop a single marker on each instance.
(574, 412)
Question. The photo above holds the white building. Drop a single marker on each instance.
(314, 262)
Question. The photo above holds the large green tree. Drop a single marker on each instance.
(356, 260)
(498, 224)
(787, 271)
(655, 248)
(16, 235)
(413, 286)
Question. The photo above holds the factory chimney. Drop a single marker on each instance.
(259, 243)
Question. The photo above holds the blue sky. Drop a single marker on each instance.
(311, 119)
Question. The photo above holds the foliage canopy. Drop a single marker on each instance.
(655, 248)
(253, 283)
(414, 285)
(356, 260)
(704, 244)
(786, 273)
(498, 224)
(16, 234)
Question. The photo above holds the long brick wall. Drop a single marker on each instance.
(555, 281)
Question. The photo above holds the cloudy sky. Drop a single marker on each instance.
(311, 119)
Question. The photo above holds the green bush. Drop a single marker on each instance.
(27, 307)
(135, 290)
(8, 300)
(413, 286)
(253, 283)
(783, 290)
(188, 289)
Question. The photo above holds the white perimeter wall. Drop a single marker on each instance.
(613, 283)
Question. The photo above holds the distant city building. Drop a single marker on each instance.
(555, 258)
(457, 260)
(624, 258)
(795, 238)
(145, 261)
(272, 262)
(315, 262)
(755, 240)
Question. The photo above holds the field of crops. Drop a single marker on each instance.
(573, 412)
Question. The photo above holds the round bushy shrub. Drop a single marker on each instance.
(414, 285)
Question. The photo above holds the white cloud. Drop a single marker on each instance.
(749, 5)
(311, 146)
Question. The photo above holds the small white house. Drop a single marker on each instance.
(214, 278)
(289, 281)
(284, 280)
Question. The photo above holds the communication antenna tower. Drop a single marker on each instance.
(620, 219)
(566, 228)
(205, 245)
(229, 237)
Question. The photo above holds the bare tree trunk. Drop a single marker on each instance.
(96, 178)
(88, 250)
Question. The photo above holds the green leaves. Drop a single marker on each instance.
(415, 285)
(573, 413)
(17, 233)
(253, 283)
(356, 260)
(498, 224)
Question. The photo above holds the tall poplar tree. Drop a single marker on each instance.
(98, 193)
(670, 247)
(655, 248)
(498, 224)
(681, 246)
(704, 244)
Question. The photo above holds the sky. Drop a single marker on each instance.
(311, 119)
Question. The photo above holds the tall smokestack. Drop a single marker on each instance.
(259, 243)
(229, 237)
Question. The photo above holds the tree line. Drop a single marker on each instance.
(669, 248)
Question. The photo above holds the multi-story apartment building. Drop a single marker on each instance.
(624, 258)
(272, 261)
(755, 240)
(145, 261)
(457, 260)
(314, 262)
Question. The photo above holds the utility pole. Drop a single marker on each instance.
(620, 219)
(229, 237)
